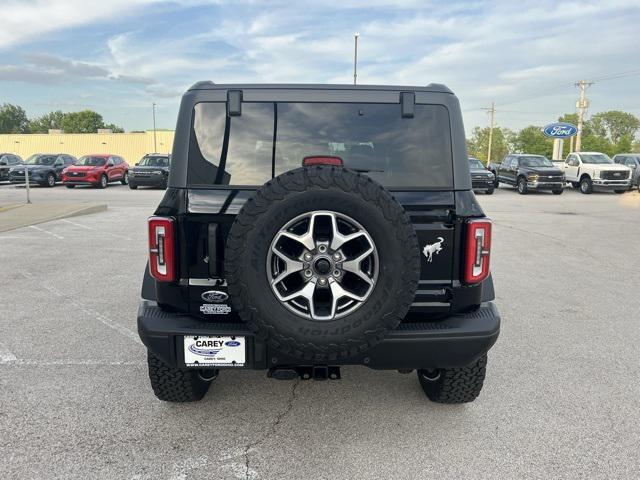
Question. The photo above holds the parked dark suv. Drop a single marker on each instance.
(151, 171)
(306, 227)
(8, 160)
(45, 169)
(482, 179)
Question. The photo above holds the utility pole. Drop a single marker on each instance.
(582, 104)
(155, 147)
(355, 57)
(492, 111)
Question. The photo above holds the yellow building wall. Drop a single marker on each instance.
(131, 146)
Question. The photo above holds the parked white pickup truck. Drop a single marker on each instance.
(595, 170)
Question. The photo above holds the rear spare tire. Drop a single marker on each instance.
(321, 263)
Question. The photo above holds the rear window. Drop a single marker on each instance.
(272, 138)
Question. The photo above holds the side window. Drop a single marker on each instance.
(59, 161)
(231, 150)
(4, 160)
(630, 161)
(14, 160)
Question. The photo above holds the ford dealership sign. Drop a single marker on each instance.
(560, 130)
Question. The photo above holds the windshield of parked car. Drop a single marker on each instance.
(535, 161)
(475, 163)
(154, 162)
(40, 160)
(597, 158)
(90, 161)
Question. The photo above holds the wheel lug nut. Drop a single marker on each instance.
(336, 256)
(322, 248)
(322, 281)
(308, 273)
(337, 273)
(308, 256)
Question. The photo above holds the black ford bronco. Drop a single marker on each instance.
(306, 227)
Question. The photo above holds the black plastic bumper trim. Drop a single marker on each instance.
(453, 342)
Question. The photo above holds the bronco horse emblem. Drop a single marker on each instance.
(436, 248)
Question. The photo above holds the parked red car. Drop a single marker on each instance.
(97, 170)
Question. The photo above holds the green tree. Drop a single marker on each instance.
(531, 140)
(51, 120)
(13, 119)
(614, 125)
(86, 121)
(501, 143)
(114, 128)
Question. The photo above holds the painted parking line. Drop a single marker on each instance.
(102, 232)
(47, 232)
(6, 355)
(91, 313)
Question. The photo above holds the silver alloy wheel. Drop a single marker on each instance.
(322, 265)
(51, 179)
(125, 178)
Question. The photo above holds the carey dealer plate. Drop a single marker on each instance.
(214, 351)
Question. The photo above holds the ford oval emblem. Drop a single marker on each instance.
(214, 296)
(232, 343)
(560, 130)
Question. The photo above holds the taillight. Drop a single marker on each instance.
(478, 250)
(162, 259)
(322, 160)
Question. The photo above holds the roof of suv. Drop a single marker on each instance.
(209, 85)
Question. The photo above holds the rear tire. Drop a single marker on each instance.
(173, 384)
(619, 191)
(70, 186)
(522, 186)
(454, 385)
(132, 186)
(490, 191)
(558, 192)
(586, 186)
(125, 178)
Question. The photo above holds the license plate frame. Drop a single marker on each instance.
(214, 351)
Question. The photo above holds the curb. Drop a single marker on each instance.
(25, 222)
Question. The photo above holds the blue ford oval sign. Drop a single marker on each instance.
(560, 130)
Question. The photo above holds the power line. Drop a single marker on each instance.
(553, 89)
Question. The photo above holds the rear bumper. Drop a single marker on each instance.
(456, 341)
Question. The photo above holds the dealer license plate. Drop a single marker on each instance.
(205, 351)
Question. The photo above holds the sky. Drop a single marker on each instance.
(119, 56)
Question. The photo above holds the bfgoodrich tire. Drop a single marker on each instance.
(175, 385)
(454, 385)
(318, 192)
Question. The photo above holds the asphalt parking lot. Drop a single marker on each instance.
(561, 399)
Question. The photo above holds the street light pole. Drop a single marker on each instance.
(355, 57)
(155, 146)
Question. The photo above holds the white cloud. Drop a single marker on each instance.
(23, 21)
